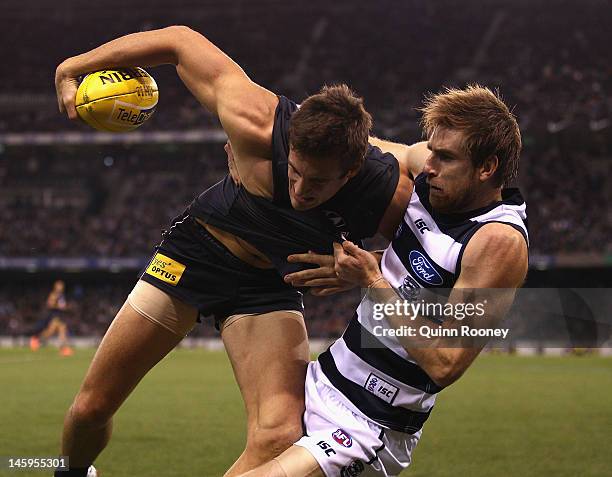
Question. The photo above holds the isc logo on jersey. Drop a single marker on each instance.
(381, 389)
(165, 269)
(117, 100)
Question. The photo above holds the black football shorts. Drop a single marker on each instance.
(193, 266)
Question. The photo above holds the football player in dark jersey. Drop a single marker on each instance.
(53, 323)
(308, 176)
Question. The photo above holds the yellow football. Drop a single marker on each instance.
(117, 100)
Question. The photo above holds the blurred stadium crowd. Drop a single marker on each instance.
(548, 58)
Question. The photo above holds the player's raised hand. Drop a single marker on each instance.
(66, 88)
(322, 280)
(355, 265)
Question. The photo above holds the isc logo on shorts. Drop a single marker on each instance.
(381, 388)
(165, 269)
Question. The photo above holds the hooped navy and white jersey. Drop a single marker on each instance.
(376, 375)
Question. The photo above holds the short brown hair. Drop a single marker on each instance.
(332, 123)
(489, 126)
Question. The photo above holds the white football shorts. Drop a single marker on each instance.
(343, 441)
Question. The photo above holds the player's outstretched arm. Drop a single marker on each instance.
(213, 78)
(245, 109)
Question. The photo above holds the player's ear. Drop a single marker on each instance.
(489, 167)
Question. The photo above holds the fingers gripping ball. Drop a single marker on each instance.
(118, 100)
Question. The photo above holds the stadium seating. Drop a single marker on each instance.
(104, 201)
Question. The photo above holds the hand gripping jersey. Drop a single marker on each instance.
(375, 376)
(275, 229)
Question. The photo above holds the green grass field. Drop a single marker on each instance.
(508, 416)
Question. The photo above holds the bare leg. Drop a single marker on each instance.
(131, 347)
(294, 462)
(51, 329)
(269, 354)
(59, 328)
(62, 334)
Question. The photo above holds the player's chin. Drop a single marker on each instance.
(302, 205)
(439, 204)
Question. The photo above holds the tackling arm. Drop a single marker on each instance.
(411, 160)
(495, 258)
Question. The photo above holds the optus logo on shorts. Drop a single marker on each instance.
(342, 438)
(165, 269)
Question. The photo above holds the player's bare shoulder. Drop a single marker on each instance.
(496, 257)
(245, 109)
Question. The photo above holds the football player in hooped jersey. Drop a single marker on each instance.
(308, 177)
(368, 395)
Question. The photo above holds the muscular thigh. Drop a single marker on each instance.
(269, 354)
(132, 345)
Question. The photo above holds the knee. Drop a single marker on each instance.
(91, 410)
(269, 441)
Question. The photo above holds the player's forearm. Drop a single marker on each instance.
(413, 157)
(397, 149)
(149, 48)
(443, 365)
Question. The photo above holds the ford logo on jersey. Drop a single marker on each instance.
(424, 270)
(342, 438)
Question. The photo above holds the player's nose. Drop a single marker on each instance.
(301, 187)
(430, 168)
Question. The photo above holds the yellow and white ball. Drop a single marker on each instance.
(117, 100)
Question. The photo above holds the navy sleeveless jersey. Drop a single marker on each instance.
(276, 229)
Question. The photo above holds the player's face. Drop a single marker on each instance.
(59, 286)
(452, 178)
(313, 181)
